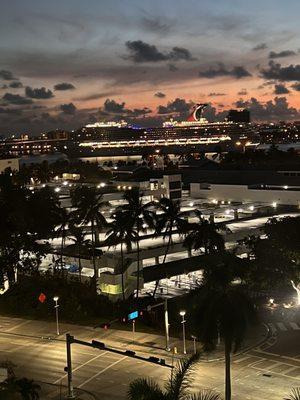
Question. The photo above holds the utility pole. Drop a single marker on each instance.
(166, 313)
(69, 367)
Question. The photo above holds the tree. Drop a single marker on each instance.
(275, 258)
(204, 234)
(89, 203)
(64, 219)
(142, 217)
(176, 388)
(121, 231)
(78, 238)
(21, 241)
(167, 221)
(22, 388)
(295, 394)
(223, 310)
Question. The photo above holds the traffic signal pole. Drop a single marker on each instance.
(101, 346)
(69, 367)
(166, 313)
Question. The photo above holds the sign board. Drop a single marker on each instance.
(42, 297)
(133, 315)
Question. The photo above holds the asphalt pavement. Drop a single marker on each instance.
(266, 371)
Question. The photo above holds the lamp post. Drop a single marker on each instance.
(194, 342)
(182, 313)
(56, 298)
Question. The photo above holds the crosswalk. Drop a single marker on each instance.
(283, 326)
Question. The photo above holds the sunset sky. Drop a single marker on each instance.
(66, 63)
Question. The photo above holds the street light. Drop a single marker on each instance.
(182, 313)
(194, 340)
(56, 298)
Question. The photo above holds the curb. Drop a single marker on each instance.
(260, 343)
(77, 391)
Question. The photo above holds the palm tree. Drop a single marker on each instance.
(167, 221)
(223, 310)
(28, 388)
(295, 394)
(204, 234)
(64, 219)
(176, 388)
(142, 216)
(23, 388)
(121, 231)
(78, 238)
(88, 203)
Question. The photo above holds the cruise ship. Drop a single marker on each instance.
(194, 134)
(110, 138)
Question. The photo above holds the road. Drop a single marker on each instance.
(266, 372)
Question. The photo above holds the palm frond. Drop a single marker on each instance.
(204, 395)
(295, 394)
(145, 389)
(180, 379)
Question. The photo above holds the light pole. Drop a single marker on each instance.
(194, 341)
(182, 313)
(56, 298)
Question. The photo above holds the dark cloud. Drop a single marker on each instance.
(281, 54)
(119, 110)
(159, 95)
(212, 114)
(156, 25)
(296, 86)
(260, 46)
(69, 109)
(111, 106)
(144, 52)
(213, 94)
(64, 86)
(243, 92)
(180, 53)
(137, 112)
(237, 72)
(281, 89)
(274, 110)
(11, 98)
(38, 93)
(15, 85)
(276, 71)
(141, 52)
(6, 75)
(178, 106)
(13, 111)
(95, 96)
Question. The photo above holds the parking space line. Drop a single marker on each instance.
(18, 325)
(81, 365)
(294, 326)
(101, 372)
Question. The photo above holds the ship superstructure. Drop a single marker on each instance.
(194, 131)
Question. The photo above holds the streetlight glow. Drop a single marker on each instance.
(182, 313)
(56, 298)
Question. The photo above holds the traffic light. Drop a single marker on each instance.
(130, 353)
(100, 345)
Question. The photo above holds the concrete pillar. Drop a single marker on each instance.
(156, 260)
